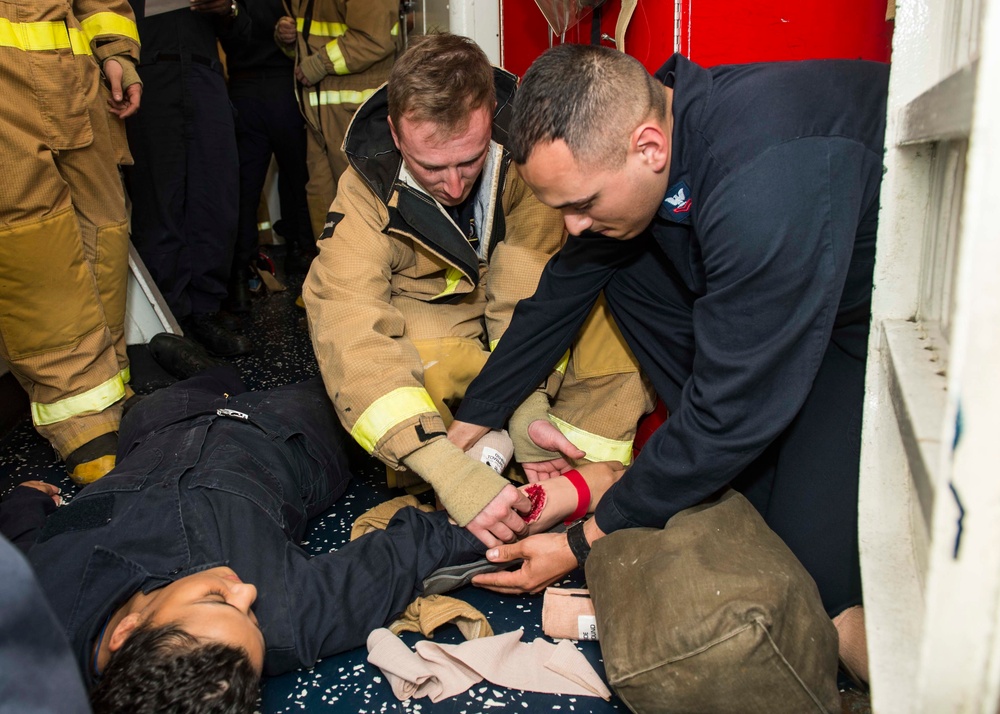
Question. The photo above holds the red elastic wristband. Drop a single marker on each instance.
(582, 495)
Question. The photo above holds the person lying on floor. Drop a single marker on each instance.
(145, 568)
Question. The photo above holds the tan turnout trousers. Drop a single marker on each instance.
(63, 226)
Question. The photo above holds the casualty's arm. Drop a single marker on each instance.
(338, 598)
(24, 510)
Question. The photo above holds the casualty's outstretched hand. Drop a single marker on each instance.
(547, 556)
(46, 488)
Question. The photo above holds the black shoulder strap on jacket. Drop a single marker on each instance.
(307, 17)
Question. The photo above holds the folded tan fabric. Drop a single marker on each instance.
(440, 671)
(568, 614)
(426, 614)
(377, 518)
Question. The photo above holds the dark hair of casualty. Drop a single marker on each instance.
(440, 78)
(590, 97)
(165, 669)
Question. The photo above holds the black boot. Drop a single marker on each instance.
(239, 296)
(210, 333)
(181, 356)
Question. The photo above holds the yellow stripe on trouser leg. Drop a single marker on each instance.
(598, 448)
(54, 332)
(90, 402)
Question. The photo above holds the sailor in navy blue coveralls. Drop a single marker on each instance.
(746, 301)
(210, 475)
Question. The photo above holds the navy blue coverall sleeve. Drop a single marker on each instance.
(22, 515)
(543, 327)
(338, 598)
(776, 241)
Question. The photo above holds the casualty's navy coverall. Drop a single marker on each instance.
(184, 184)
(746, 301)
(194, 489)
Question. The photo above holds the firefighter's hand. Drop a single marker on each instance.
(545, 435)
(311, 70)
(284, 30)
(47, 488)
(547, 558)
(499, 522)
(124, 102)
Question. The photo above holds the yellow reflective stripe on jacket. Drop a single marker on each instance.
(322, 29)
(598, 448)
(395, 30)
(494, 343)
(109, 23)
(38, 36)
(90, 402)
(337, 57)
(451, 278)
(126, 375)
(342, 96)
(387, 411)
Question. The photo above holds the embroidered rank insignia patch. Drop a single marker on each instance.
(676, 204)
(332, 219)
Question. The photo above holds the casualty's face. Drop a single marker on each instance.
(213, 605)
(446, 164)
(617, 203)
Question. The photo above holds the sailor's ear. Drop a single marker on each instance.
(652, 145)
(123, 630)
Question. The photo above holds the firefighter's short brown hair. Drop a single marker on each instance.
(440, 78)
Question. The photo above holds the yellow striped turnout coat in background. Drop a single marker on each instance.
(357, 42)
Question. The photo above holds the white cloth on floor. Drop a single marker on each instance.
(440, 671)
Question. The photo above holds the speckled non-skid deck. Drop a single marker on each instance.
(346, 682)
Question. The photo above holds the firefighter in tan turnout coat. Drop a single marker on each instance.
(417, 278)
(343, 50)
(63, 227)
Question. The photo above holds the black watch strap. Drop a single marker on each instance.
(578, 544)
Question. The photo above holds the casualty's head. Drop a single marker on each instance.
(590, 133)
(441, 102)
(191, 646)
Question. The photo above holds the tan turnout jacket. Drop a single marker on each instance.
(397, 288)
